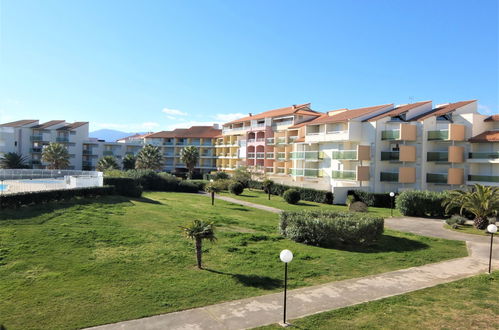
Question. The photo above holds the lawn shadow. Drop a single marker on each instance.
(256, 281)
(239, 208)
(387, 243)
(148, 200)
(244, 195)
(306, 204)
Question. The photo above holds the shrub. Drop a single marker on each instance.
(38, 197)
(187, 187)
(236, 188)
(372, 199)
(350, 200)
(329, 228)
(220, 176)
(421, 203)
(222, 184)
(124, 186)
(200, 183)
(291, 196)
(306, 194)
(358, 207)
(456, 220)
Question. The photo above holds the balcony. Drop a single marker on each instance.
(87, 164)
(281, 156)
(260, 155)
(168, 154)
(251, 155)
(436, 178)
(87, 151)
(36, 150)
(390, 155)
(437, 156)
(344, 175)
(389, 177)
(36, 138)
(168, 143)
(108, 153)
(270, 141)
(62, 139)
(281, 170)
(483, 178)
(251, 140)
(484, 155)
(281, 140)
(440, 135)
(260, 140)
(293, 138)
(270, 155)
(393, 134)
(345, 155)
(306, 172)
(307, 155)
(36, 162)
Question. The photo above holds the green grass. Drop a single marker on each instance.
(260, 197)
(465, 304)
(468, 229)
(89, 262)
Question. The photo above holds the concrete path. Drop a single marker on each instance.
(249, 204)
(263, 310)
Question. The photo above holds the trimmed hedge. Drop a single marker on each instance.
(306, 194)
(418, 203)
(291, 196)
(124, 186)
(330, 228)
(372, 199)
(38, 197)
(236, 188)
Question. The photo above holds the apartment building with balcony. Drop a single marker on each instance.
(483, 156)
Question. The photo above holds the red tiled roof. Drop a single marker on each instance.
(193, 132)
(301, 109)
(442, 110)
(137, 136)
(74, 125)
(48, 124)
(492, 118)
(398, 110)
(345, 115)
(488, 136)
(19, 123)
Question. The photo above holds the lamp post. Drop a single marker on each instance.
(392, 195)
(491, 229)
(212, 195)
(286, 257)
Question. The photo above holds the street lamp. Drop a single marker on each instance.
(286, 257)
(491, 229)
(392, 194)
(212, 194)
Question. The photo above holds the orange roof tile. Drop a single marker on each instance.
(442, 110)
(492, 118)
(19, 123)
(193, 132)
(345, 115)
(73, 125)
(301, 109)
(488, 136)
(398, 110)
(48, 124)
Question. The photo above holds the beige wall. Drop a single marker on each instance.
(456, 132)
(407, 174)
(362, 173)
(408, 132)
(407, 153)
(455, 176)
(363, 152)
(456, 154)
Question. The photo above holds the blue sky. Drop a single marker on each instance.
(154, 65)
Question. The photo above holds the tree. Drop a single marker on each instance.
(149, 158)
(107, 163)
(242, 175)
(57, 155)
(212, 188)
(267, 186)
(481, 201)
(12, 160)
(190, 156)
(198, 231)
(129, 162)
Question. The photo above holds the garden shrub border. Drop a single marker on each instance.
(306, 194)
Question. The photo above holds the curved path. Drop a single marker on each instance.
(262, 310)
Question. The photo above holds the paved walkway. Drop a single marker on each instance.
(267, 309)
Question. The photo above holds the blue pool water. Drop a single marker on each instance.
(41, 181)
(3, 187)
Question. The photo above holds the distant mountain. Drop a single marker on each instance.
(110, 135)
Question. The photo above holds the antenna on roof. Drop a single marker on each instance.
(411, 99)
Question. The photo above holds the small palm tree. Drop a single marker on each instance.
(12, 160)
(107, 163)
(212, 188)
(129, 162)
(190, 156)
(267, 186)
(57, 155)
(482, 201)
(149, 158)
(198, 231)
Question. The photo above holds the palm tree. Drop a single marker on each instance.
(11, 160)
(190, 156)
(212, 188)
(149, 158)
(267, 186)
(107, 163)
(57, 155)
(129, 162)
(482, 201)
(198, 231)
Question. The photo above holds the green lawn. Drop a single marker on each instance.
(260, 197)
(78, 264)
(465, 304)
(467, 229)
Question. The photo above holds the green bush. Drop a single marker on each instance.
(124, 186)
(222, 185)
(220, 176)
(306, 194)
(291, 196)
(330, 228)
(236, 188)
(350, 200)
(456, 220)
(418, 203)
(358, 207)
(187, 187)
(39, 197)
(372, 199)
(200, 183)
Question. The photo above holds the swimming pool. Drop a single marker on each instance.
(3, 187)
(41, 181)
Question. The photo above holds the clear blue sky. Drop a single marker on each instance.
(119, 64)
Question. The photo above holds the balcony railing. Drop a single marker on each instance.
(390, 155)
(346, 175)
(260, 155)
(293, 138)
(36, 162)
(36, 150)
(87, 152)
(86, 163)
(438, 135)
(389, 177)
(251, 140)
(345, 154)
(483, 178)
(168, 143)
(251, 155)
(281, 140)
(281, 170)
(108, 153)
(270, 140)
(270, 155)
(436, 178)
(36, 138)
(484, 155)
(260, 140)
(62, 139)
(281, 156)
(309, 172)
(306, 155)
(393, 134)
(269, 170)
(437, 156)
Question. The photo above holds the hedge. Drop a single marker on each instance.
(291, 196)
(306, 194)
(38, 197)
(331, 228)
(418, 203)
(124, 186)
(372, 199)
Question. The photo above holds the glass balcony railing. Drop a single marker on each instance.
(260, 139)
(437, 156)
(389, 177)
(344, 154)
(270, 140)
(36, 138)
(87, 152)
(346, 175)
(309, 172)
(281, 140)
(390, 155)
(436, 178)
(483, 178)
(438, 135)
(86, 163)
(36, 150)
(36, 162)
(270, 155)
(484, 155)
(281, 170)
(260, 155)
(251, 155)
(108, 153)
(293, 138)
(390, 134)
(251, 140)
(281, 156)
(62, 139)
(306, 155)
(168, 143)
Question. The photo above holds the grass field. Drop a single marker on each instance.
(78, 264)
(465, 304)
(467, 229)
(260, 197)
